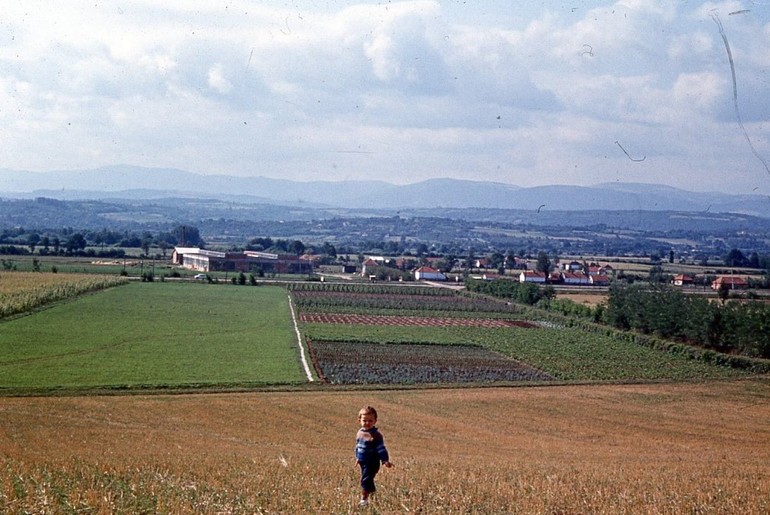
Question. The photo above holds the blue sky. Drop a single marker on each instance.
(537, 93)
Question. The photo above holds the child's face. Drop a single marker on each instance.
(367, 421)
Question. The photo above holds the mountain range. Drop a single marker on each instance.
(137, 183)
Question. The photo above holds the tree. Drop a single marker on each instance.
(32, 241)
(723, 292)
(163, 245)
(543, 263)
(496, 260)
(188, 236)
(329, 249)
(76, 242)
(146, 242)
(735, 258)
(296, 247)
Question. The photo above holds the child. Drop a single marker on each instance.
(370, 450)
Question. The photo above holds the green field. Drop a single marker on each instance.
(194, 334)
(566, 353)
(158, 334)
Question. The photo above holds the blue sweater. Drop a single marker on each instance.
(370, 445)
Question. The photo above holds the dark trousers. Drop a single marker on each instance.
(369, 469)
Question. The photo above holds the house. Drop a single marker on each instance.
(555, 277)
(599, 280)
(572, 266)
(531, 276)
(575, 278)
(493, 276)
(426, 273)
(732, 282)
(519, 263)
(368, 265)
(683, 280)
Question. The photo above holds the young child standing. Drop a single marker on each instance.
(370, 451)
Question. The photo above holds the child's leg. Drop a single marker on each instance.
(369, 469)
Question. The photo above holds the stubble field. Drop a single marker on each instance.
(683, 448)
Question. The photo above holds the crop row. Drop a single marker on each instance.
(368, 363)
(370, 320)
(324, 300)
(425, 291)
(24, 291)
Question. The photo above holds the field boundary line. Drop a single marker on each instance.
(302, 357)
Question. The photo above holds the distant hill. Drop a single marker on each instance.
(136, 183)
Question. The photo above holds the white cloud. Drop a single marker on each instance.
(402, 90)
(218, 81)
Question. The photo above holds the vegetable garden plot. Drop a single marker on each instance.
(342, 318)
(370, 363)
(329, 300)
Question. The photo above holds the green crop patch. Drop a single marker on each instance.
(154, 334)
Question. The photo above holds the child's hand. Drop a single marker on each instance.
(388, 464)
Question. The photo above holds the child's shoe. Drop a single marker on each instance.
(363, 503)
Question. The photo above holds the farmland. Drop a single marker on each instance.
(664, 447)
(154, 335)
(21, 292)
(361, 325)
(659, 448)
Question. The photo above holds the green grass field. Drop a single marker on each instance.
(158, 334)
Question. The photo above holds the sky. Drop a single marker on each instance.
(524, 93)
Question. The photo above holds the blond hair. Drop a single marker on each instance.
(367, 410)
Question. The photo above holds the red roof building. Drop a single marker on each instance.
(731, 281)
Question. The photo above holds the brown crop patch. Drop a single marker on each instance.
(373, 363)
(409, 321)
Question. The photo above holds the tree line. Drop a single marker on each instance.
(727, 326)
(730, 327)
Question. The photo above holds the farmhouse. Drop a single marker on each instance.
(599, 280)
(575, 278)
(732, 282)
(248, 261)
(368, 265)
(683, 280)
(572, 266)
(531, 276)
(426, 273)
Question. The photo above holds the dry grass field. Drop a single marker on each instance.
(664, 448)
(586, 299)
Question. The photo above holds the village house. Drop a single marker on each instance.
(599, 280)
(575, 279)
(732, 282)
(572, 266)
(683, 280)
(426, 273)
(368, 265)
(531, 276)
